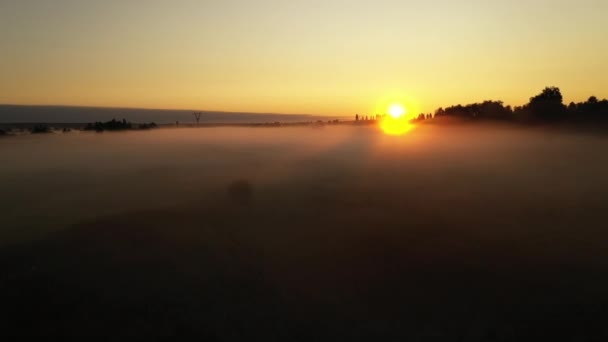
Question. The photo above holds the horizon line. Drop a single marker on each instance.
(167, 109)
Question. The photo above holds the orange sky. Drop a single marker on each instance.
(318, 57)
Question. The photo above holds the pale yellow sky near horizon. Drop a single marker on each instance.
(328, 57)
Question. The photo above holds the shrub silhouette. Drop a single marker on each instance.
(41, 128)
(116, 125)
(147, 125)
(492, 110)
(112, 125)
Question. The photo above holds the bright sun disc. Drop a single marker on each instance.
(396, 111)
(396, 122)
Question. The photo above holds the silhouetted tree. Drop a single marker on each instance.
(112, 125)
(592, 100)
(547, 106)
(494, 110)
(591, 111)
(356, 117)
(148, 126)
(41, 128)
(439, 112)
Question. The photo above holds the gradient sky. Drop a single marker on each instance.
(318, 57)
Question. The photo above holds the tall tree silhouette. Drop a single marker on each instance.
(548, 105)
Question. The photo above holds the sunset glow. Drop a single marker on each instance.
(312, 57)
(395, 126)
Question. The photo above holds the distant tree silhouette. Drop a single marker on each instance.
(493, 110)
(147, 125)
(41, 128)
(591, 111)
(356, 117)
(439, 112)
(593, 100)
(116, 125)
(547, 106)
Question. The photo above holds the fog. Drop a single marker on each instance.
(59, 179)
(311, 232)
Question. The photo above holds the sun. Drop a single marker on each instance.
(396, 122)
(396, 110)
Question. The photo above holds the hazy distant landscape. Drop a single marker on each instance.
(13, 114)
(463, 232)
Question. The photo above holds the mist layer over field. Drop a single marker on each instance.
(341, 232)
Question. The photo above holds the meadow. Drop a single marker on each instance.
(456, 233)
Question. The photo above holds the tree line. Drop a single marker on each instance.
(546, 107)
(117, 125)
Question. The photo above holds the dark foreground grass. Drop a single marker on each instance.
(231, 271)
